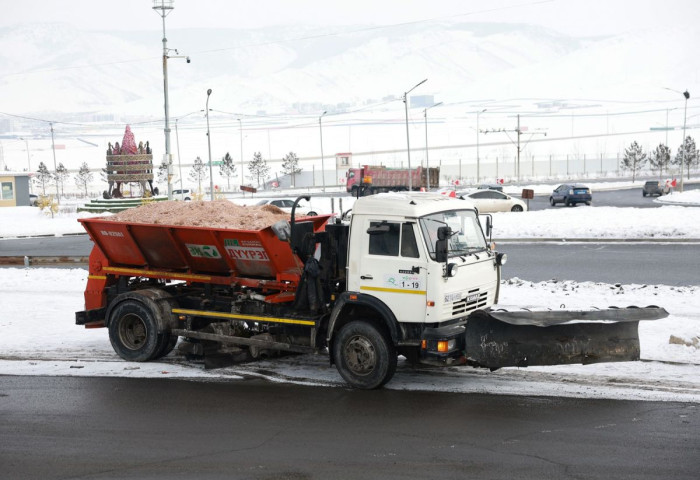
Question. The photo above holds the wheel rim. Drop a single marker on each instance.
(132, 332)
(360, 355)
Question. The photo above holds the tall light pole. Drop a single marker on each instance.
(478, 160)
(163, 8)
(427, 163)
(685, 117)
(29, 162)
(408, 142)
(55, 169)
(240, 124)
(320, 131)
(211, 169)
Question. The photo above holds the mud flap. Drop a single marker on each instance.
(521, 339)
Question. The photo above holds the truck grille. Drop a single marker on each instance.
(473, 301)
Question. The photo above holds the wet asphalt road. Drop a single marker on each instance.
(100, 428)
(629, 262)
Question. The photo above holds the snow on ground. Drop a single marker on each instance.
(47, 342)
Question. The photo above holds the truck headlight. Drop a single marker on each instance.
(452, 269)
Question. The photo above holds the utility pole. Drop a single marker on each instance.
(408, 142)
(163, 8)
(519, 131)
(55, 168)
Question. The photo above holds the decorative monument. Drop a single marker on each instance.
(127, 163)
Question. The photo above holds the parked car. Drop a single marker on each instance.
(571, 194)
(655, 187)
(33, 200)
(491, 186)
(182, 194)
(286, 204)
(490, 201)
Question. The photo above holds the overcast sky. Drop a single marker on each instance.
(575, 17)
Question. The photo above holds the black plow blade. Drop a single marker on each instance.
(521, 339)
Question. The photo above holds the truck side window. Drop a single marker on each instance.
(409, 246)
(385, 243)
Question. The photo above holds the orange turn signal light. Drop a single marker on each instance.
(423, 344)
(442, 346)
(430, 303)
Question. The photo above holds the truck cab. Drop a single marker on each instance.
(418, 266)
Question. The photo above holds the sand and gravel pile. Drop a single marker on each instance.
(216, 214)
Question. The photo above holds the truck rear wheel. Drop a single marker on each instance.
(364, 356)
(133, 332)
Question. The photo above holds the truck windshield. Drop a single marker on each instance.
(467, 235)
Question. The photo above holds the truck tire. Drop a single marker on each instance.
(133, 332)
(364, 356)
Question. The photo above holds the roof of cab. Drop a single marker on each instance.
(408, 204)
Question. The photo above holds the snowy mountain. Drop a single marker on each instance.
(55, 68)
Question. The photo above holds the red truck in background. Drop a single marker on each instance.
(376, 179)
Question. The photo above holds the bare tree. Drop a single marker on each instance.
(258, 168)
(687, 155)
(60, 176)
(634, 159)
(660, 158)
(290, 166)
(43, 177)
(84, 177)
(198, 173)
(227, 169)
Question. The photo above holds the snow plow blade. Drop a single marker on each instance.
(519, 339)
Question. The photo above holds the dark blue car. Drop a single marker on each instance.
(571, 194)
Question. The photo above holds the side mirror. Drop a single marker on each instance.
(443, 233)
(489, 226)
(441, 250)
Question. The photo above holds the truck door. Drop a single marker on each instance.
(392, 268)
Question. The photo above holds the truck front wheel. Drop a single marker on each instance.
(363, 355)
(133, 332)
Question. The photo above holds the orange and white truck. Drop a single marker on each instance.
(410, 274)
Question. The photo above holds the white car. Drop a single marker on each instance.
(490, 201)
(184, 194)
(286, 205)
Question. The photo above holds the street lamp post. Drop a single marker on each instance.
(685, 117)
(323, 169)
(240, 124)
(211, 169)
(55, 169)
(478, 159)
(408, 142)
(427, 162)
(29, 162)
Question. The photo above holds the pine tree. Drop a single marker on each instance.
(43, 176)
(198, 173)
(660, 158)
(634, 159)
(258, 168)
(84, 177)
(227, 169)
(290, 166)
(687, 155)
(60, 175)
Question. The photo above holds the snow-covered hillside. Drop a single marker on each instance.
(69, 70)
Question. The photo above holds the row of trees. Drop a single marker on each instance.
(258, 169)
(635, 159)
(45, 178)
